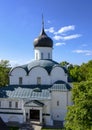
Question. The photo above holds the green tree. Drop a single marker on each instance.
(78, 73)
(4, 71)
(79, 116)
(64, 63)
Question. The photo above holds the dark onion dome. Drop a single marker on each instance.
(43, 40)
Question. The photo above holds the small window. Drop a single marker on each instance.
(16, 104)
(0, 103)
(48, 55)
(41, 55)
(57, 116)
(38, 80)
(10, 104)
(20, 80)
(57, 103)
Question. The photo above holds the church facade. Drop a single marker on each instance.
(37, 91)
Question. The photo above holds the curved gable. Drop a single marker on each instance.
(58, 73)
(40, 68)
(18, 71)
(47, 69)
(57, 69)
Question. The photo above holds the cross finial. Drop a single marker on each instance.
(42, 22)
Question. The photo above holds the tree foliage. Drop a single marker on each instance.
(79, 73)
(79, 116)
(4, 71)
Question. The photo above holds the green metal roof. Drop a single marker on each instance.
(23, 92)
(62, 85)
(59, 87)
(33, 91)
(47, 64)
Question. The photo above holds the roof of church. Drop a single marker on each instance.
(43, 40)
(61, 85)
(47, 64)
(25, 91)
(33, 91)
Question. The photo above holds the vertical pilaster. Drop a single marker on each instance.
(40, 115)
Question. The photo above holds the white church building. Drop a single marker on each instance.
(37, 91)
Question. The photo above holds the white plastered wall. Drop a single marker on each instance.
(13, 113)
(44, 50)
(59, 112)
(58, 73)
(39, 72)
(16, 73)
(5, 103)
(47, 112)
(12, 117)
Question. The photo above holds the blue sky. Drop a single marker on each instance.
(67, 22)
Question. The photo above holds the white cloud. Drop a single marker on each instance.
(61, 30)
(71, 36)
(58, 37)
(61, 34)
(86, 52)
(60, 43)
(51, 30)
(65, 29)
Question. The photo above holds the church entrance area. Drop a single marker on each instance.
(35, 115)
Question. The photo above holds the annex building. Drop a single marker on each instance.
(37, 91)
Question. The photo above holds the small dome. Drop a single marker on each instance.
(43, 40)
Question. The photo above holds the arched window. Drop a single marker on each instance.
(57, 103)
(38, 80)
(10, 104)
(42, 55)
(20, 80)
(0, 103)
(48, 55)
(16, 104)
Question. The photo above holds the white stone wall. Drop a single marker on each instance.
(59, 112)
(5, 103)
(13, 113)
(16, 73)
(44, 50)
(39, 72)
(47, 112)
(31, 78)
(58, 73)
(12, 117)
